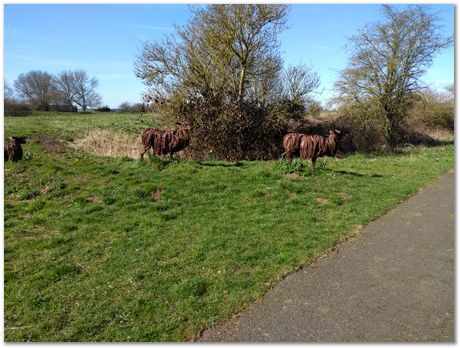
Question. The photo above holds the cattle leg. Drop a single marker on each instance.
(287, 155)
(145, 150)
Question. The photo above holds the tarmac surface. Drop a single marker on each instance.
(392, 283)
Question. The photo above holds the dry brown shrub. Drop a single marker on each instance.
(226, 130)
(433, 110)
(108, 144)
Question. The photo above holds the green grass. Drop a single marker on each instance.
(73, 125)
(90, 256)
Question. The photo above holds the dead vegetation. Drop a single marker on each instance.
(50, 144)
(157, 194)
(322, 201)
(108, 144)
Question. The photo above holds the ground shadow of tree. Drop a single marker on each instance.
(221, 164)
(349, 172)
(418, 138)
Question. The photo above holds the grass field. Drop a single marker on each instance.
(114, 249)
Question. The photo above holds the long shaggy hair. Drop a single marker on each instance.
(314, 146)
(291, 144)
(166, 142)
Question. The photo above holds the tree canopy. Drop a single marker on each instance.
(223, 51)
(36, 87)
(388, 60)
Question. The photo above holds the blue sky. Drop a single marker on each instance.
(104, 40)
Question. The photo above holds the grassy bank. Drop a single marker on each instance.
(114, 249)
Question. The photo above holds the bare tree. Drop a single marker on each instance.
(124, 107)
(65, 85)
(450, 91)
(388, 59)
(221, 51)
(300, 82)
(37, 88)
(8, 93)
(84, 90)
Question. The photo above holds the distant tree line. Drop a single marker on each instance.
(135, 107)
(40, 91)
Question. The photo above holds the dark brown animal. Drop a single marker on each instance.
(13, 148)
(314, 146)
(166, 142)
(291, 144)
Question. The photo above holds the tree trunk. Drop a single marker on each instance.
(241, 84)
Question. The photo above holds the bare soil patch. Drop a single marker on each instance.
(294, 176)
(322, 201)
(50, 144)
(156, 195)
(93, 199)
(343, 195)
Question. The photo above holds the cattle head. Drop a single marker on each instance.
(335, 133)
(18, 140)
(184, 126)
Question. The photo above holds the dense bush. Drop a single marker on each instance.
(314, 108)
(433, 110)
(228, 131)
(62, 108)
(136, 107)
(252, 131)
(13, 108)
(103, 109)
(364, 126)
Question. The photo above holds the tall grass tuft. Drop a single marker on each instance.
(296, 166)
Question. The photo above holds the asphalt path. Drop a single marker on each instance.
(393, 283)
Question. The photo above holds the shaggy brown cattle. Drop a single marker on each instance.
(291, 144)
(166, 142)
(13, 148)
(314, 146)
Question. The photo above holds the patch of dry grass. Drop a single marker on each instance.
(440, 134)
(108, 144)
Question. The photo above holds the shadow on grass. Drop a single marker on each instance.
(419, 138)
(403, 150)
(160, 162)
(221, 164)
(412, 140)
(349, 172)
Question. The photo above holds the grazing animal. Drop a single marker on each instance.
(13, 148)
(166, 142)
(291, 144)
(314, 146)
